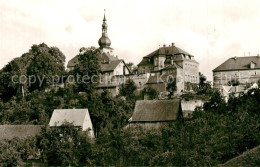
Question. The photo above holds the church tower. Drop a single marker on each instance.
(104, 42)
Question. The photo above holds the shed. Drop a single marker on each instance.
(78, 117)
(154, 113)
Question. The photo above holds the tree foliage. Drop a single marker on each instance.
(64, 146)
(88, 69)
(150, 92)
(41, 62)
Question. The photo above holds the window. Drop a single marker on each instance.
(150, 68)
(156, 62)
(143, 70)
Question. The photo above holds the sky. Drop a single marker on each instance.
(212, 31)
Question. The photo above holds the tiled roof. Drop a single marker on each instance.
(101, 58)
(171, 50)
(19, 131)
(110, 66)
(156, 110)
(75, 116)
(239, 63)
(113, 62)
(144, 62)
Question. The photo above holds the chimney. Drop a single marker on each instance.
(258, 55)
(116, 56)
(235, 58)
(173, 44)
(164, 45)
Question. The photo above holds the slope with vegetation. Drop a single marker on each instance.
(215, 133)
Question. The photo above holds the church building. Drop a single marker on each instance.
(114, 70)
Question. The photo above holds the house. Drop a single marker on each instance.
(227, 91)
(154, 113)
(19, 131)
(170, 61)
(188, 107)
(114, 71)
(78, 117)
(239, 69)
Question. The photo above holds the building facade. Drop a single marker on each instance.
(243, 70)
(170, 62)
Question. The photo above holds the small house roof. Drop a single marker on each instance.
(19, 131)
(74, 116)
(110, 66)
(156, 110)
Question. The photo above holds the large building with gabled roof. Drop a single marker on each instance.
(237, 69)
(170, 61)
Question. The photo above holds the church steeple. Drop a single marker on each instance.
(104, 41)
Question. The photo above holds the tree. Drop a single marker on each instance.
(152, 93)
(46, 64)
(171, 86)
(233, 82)
(37, 66)
(130, 65)
(204, 86)
(66, 145)
(202, 80)
(128, 89)
(87, 70)
(216, 103)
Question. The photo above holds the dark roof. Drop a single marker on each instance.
(19, 131)
(110, 66)
(104, 57)
(74, 61)
(239, 63)
(144, 62)
(156, 110)
(171, 50)
(101, 58)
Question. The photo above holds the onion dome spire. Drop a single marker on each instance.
(104, 41)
